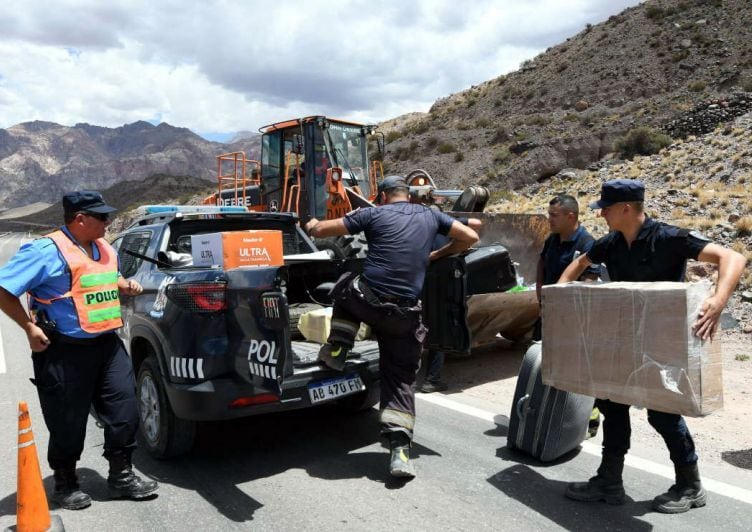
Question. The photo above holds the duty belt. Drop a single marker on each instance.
(399, 301)
(65, 339)
(372, 297)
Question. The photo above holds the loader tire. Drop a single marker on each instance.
(344, 247)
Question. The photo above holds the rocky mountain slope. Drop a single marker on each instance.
(39, 161)
(700, 182)
(647, 66)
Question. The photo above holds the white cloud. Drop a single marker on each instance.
(222, 65)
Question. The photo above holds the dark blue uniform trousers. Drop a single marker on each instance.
(617, 431)
(400, 333)
(70, 379)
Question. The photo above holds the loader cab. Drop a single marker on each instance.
(295, 157)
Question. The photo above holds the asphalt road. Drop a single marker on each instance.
(325, 470)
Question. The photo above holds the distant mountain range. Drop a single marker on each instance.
(39, 161)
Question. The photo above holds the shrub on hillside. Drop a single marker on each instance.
(393, 135)
(446, 147)
(642, 141)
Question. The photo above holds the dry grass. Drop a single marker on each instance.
(702, 224)
(705, 198)
(744, 226)
(741, 247)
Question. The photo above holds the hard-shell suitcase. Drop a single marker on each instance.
(545, 422)
(489, 270)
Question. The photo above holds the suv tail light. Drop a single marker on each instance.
(199, 297)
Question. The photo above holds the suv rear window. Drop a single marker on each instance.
(293, 242)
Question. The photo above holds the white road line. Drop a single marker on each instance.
(727, 490)
(2, 354)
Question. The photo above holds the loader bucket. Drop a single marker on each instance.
(522, 234)
(509, 314)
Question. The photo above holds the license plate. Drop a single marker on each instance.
(333, 388)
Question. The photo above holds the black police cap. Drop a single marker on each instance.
(86, 201)
(618, 191)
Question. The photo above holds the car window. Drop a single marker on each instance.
(116, 243)
(138, 242)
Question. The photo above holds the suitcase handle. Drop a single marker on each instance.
(521, 404)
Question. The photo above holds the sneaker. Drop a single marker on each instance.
(334, 356)
(430, 387)
(594, 423)
(400, 465)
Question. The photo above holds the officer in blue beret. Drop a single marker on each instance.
(639, 248)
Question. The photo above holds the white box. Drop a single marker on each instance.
(207, 249)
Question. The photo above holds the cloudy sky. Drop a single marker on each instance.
(221, 66)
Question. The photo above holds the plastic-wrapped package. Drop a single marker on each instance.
(632, 343)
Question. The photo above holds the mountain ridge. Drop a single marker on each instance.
(41, 160)
(567, 106)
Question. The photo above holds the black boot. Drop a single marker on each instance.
(67, 493)
(333, 355)
(686, 494)
(122, 482)
(399, 461)
(606, 486)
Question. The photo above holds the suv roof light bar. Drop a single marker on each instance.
(208, 209)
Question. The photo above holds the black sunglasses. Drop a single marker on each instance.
(102, 217)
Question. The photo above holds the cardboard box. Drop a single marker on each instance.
(632, 343)
(235, 249)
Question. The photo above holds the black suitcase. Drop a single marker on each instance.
(489, 270)
(545, 422)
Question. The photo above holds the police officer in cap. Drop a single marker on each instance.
(386, 296)
(72, 278)
(639, 248)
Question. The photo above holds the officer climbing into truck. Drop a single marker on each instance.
(386, 296)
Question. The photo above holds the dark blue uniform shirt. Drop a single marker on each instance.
(399, 239)
(557, 254)
(659, 253)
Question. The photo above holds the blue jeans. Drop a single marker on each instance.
(617, 431)
(434, 364)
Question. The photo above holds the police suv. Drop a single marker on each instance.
(209, 343)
